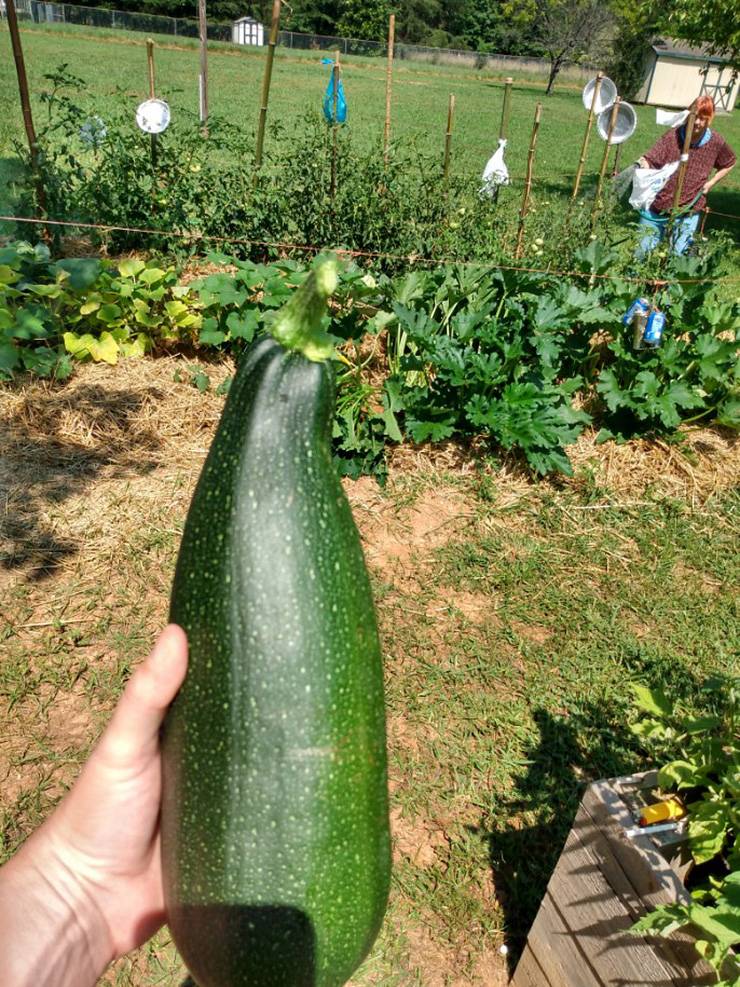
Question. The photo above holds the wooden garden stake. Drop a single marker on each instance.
(203, 31)
(448, 137)
(605, 158)
(684, 158)
(681, 175)
(33, 147)
(272, 44)
(587, 135)
(335, 125)
(528, 183)
(150, 65)
(506, 108)
(615, 167)
(388, 87)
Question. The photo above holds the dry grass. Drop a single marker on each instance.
(705, 464)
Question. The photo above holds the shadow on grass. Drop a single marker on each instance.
(572, 751)
(726, 201)
(52, 446)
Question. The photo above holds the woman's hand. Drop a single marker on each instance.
(87, 886)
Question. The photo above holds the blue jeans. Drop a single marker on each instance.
(655, 228)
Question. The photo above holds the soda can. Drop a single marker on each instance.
(654, 328)
(638, 305)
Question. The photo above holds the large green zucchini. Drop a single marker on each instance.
(275, 843)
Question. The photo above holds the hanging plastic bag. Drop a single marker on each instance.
(341, 102)
(667, 118)
(495, 173)
(622, 183)
(647, 182)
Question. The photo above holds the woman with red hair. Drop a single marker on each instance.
(708, 151)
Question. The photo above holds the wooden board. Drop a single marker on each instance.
(528, 971)
(604, 881)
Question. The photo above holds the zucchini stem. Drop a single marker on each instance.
(297, 325)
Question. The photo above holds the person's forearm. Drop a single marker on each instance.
(51, 934)
(718, 176)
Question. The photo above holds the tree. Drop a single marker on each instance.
(715, 23)
(366, 19)
(483, 25)
(568, 30)
(636, 27)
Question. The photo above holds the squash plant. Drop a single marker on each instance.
(86, 309)
(700, 761)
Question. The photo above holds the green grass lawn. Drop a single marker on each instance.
(107, 60)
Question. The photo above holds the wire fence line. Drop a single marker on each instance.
(411, 259)
(41, 12)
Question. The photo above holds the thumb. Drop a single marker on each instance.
(134, 727)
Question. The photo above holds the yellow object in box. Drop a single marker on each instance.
(660, 811)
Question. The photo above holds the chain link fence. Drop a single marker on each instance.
(61, 13)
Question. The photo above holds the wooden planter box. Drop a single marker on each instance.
(604, 881)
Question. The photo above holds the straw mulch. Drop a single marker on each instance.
(136, 419)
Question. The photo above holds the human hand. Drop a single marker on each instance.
(705, 188)
(93, 871)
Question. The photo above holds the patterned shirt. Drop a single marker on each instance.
(715, 153)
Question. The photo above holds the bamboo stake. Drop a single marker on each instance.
(506, 108)
(605, 158)
(688, 133)
(266, 82)
(335, 125)
(615, 168)
(150, 64)
(203, 31)
(587, 135)
(389, 87)
(33, 147)
(448, 137)
(528, 183)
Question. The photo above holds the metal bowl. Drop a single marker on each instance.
(624, 127)
(607, 94)
(153, 116)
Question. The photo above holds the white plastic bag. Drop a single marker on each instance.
(647, 182)
(668, 118)
(495, 173)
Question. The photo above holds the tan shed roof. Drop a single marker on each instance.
(679, 49)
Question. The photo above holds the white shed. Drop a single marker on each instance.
(677, 73)
(247, 31)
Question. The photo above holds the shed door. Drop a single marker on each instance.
(718, 82)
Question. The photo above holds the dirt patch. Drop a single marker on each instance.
(475, 607)
(532, 632)
(392, 536)
(439, 969)
(693, 580)
(419, 841)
